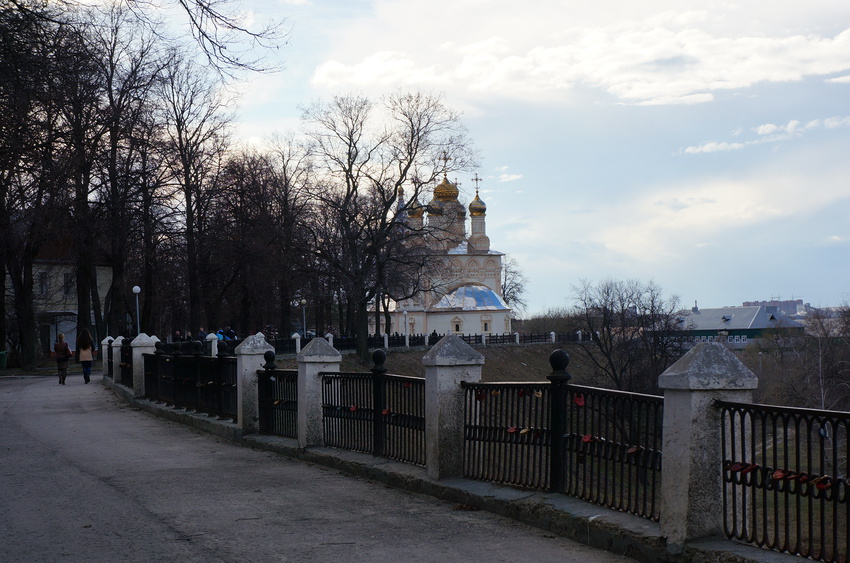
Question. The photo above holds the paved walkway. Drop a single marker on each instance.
(86, 477)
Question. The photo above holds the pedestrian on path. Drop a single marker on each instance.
(63, 352)
(85, 346)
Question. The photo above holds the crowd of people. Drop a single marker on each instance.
(225, 333)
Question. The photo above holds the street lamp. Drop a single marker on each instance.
(304, 318)
(137, 290)
(405, 322)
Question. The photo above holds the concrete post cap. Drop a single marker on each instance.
(319, 350)
(451, 350)
(708, 366)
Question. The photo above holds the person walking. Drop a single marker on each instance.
(63, 352)
(85, 345)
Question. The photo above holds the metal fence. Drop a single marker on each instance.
(109, 360)
(785, 479)
(375, 413)
(535, 338)
(126, 364)
(498, 339)
(594, 444)
(278, 402)
(201, 383)
(507, 433)
(611, 448)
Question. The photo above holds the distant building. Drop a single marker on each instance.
(735, 326)
(789, 307)
(55, 293)
(463, 295)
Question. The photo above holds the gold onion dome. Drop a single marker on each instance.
(477, 207)
(446, 191)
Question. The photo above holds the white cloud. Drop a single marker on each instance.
(676, 56)
(713, 146)
(834, 122)
(769, 133)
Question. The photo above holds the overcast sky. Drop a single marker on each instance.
(703, 145)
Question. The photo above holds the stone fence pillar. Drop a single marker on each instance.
(249, 359)
(213, 340)
(104, 354)
(142, 344)
(316, 357)
(116, 358)
(691, 479)
(447, 364)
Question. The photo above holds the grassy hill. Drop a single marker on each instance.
(501, 363)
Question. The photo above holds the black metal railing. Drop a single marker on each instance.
(375, 413)
(201, 383)
(126, 365)
(535, 338)
(598, 445)
(611, 447)
(396, 341)
(785, 479)
(506, 433)
(471, 339)
(109, 368)
(499, 339)
(278, 402)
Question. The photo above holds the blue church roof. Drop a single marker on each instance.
(472, 298)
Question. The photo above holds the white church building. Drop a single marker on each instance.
(465, 295)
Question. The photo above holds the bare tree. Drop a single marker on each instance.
(513, 284)
(33, 164)
(363, 154)
(634, 331)
(217, 26)
(196, 122)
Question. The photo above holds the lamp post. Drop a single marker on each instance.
(304, 318)
(137, 290)
(405, 322)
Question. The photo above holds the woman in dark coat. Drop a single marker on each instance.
(63, 352)
(85, 346)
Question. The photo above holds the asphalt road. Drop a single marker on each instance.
(85, 477)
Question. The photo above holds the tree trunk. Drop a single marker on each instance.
(22, 286)
(362, 330)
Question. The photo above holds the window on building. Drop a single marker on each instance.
(68, 287)
(457, 327)
(42, 284)
(737, 338)
(743, 338)
(729, 339)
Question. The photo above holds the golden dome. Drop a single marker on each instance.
(477, 207)
(435, 207)
(446, 191)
